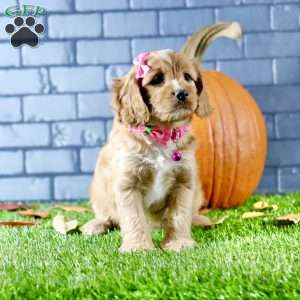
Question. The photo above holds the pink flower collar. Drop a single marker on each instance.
(162, 136)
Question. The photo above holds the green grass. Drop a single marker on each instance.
(239, 259)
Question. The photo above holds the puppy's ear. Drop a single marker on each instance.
(203, 108)
(127, 100)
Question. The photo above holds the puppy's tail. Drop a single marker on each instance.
(202, 221)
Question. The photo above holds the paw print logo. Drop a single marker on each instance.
(24, 31)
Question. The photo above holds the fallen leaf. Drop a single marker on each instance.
(204, 221)
(72, 208)
(264, 205)
(204, 211)
(289, 219)
(252, 214)
(221, 220)
(62, 226)
(17, 223)
(12, 207)
(32, 213)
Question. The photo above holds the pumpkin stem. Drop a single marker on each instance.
(198, 42)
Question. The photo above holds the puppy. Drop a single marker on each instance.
(146, 175)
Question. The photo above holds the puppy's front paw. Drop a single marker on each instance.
(94, 227)
(177, 245)
(128, 247)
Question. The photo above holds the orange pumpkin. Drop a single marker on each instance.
(232, 141)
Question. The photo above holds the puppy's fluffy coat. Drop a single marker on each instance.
(136, 185)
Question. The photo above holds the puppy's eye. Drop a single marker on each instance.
(187, 77)
(157, 79)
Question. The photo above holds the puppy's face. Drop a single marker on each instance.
(171, 91)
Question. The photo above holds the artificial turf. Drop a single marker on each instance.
(239, 259)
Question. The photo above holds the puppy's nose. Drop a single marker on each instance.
(181, 95)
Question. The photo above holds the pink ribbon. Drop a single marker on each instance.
(141, 62)
(162, 135)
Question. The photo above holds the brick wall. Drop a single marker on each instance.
(54, 102)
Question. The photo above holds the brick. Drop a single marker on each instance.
(43, 54)
(283, 153)
(9, 56)
(108, 125)
(288, 125)
(289, 179)
(210, 3)
(23, 189)
(10, 109)
(78, 133)
(50, 6)
(28, 82)
(269, 119)
(257, 1)
(272, 44)
(208, 65)
(251, 18)
(287, 70)
(74, 26)
(277, 98)
(49, 108)
(184, 21)
(268, 1)
(4, 4)
(103, 52)
(245, 71)
(83, 5)
(77, 79)
(224, 49)
(268, 183)
(285, 1)
(3, 22)
(130, 24)
(115, 71)
(151, 44)
(144, 4)
(71, 187)
(11, 162)
(51, 161)
(88, 157)
(94, 105)
(24, 135)
(285, 17)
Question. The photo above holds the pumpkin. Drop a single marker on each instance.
(232, 141)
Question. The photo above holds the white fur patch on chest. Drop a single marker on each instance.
(160, 160)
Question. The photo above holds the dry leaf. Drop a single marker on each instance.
(73, 208)
(204, 221)
(17, 223)
(204, 211)
(12, 207)
(264, 205)
(221, 220)
(252, 214)
(32, 213)
(289, 219)
(62, 226)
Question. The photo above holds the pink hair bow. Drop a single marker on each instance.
(141, 62)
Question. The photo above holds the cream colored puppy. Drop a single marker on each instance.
(145, 175)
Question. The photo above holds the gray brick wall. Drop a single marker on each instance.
(55, 109)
